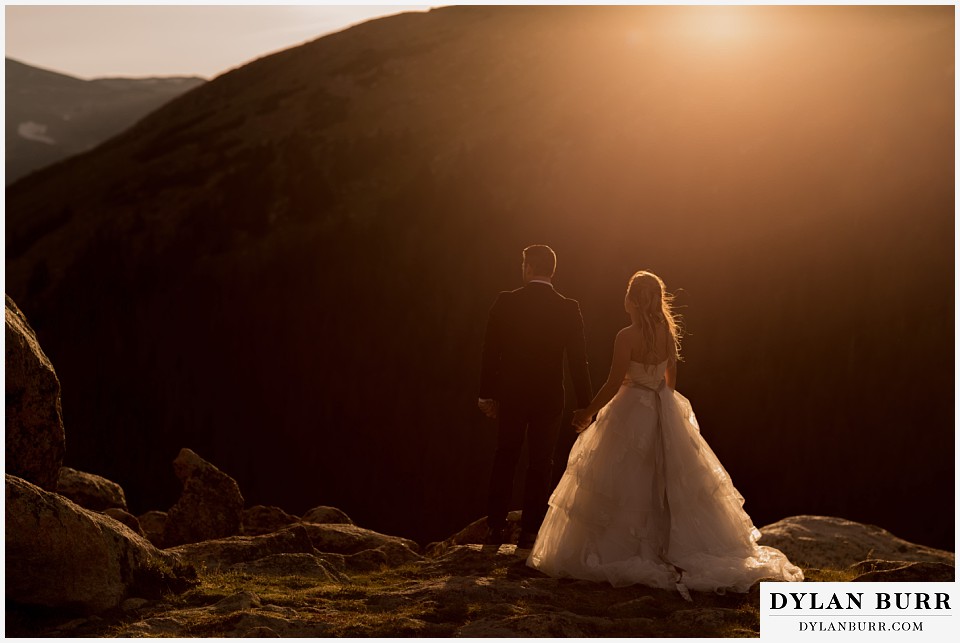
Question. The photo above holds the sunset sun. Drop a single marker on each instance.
(716, 25)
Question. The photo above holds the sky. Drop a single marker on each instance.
(93, 41)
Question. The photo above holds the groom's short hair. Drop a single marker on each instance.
(542, 259)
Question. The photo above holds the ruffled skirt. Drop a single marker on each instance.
(646, 501)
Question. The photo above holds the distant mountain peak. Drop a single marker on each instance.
(51, 115)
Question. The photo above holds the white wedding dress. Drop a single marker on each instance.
(645, 500)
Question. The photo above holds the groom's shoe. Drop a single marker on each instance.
(526, 540)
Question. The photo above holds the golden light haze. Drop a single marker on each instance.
(747, 113)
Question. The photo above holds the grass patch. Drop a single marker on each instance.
(432, 598)
(370, 604)
(829, 575)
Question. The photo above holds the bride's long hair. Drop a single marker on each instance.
(654, 305)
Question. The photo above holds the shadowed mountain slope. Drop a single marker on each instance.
(50, 116)
(291, 266)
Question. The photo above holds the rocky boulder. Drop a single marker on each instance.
(154, 523)
(350, 539)
(476, 534)
(261, 520)
(825, 542)
(90, 491)
(210, 506)
(888, 571)
(327, 515)
(35, 441)
(59, 554)
(390, 554)
(127, 519)
(221, 553)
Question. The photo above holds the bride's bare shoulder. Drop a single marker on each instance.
(625, 337)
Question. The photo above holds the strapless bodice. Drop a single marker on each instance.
(648, 375)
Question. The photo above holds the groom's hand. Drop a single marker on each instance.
(489, 408)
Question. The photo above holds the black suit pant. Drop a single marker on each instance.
(540, 427)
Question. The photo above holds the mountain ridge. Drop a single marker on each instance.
(292, 265)
(51, 115)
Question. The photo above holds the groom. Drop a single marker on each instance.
(521, 385)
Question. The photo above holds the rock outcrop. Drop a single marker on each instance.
(894, 571)
(90, 491)
(210, 506)
(336, 546)
(59, 554)
(825, 542)
(327, 515)
(350, 539)
(35, 441)
(213, 555)
(127, 519)
(281, 585)
(476, 533)
(261, 520)
(363, 549)
(154, 523)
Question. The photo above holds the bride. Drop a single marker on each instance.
(644, 499)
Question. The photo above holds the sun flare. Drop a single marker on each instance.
(716, 24)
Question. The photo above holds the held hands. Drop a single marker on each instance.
(489, 408)
(581, 419)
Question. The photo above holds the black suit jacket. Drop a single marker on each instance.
(528, 331)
